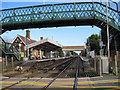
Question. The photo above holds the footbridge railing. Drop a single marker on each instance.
(52, 15)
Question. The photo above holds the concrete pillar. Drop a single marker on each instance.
(100, 67)
(6, 60)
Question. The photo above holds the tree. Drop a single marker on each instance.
(83, 53)
(93, 42)
(71, 53)
(74, 53)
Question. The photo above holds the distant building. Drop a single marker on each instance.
(69, 49)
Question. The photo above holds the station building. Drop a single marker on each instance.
(44, 48)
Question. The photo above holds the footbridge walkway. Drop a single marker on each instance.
(56, 15)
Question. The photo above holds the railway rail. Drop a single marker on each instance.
(67, 61)
(68, 64)
(73, 67)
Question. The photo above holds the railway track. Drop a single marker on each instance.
(77, 66)
(76, 75)
(73, 67)
(68, 64)
(47, 69)
(55, 65)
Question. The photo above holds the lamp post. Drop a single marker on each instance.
(108, 46)
(108, 41)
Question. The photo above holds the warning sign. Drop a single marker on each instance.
(22, 54)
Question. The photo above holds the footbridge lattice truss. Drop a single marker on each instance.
(56, 15)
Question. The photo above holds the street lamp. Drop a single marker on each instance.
(108, 41)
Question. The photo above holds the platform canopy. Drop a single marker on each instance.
(45, 44)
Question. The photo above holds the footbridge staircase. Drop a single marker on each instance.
(9, 49)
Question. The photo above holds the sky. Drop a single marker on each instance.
(66, 36)
(54, 0)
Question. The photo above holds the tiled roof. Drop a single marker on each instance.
(73, 47)
(28, 41)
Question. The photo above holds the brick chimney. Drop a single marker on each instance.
(41, 38)
(28, 34)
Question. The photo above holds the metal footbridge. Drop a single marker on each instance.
(56, 15)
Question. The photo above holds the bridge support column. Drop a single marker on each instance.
(116, 66)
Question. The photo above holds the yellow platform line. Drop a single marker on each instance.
(58, 84)
(25, 83)
(90, 82)
(73, 83)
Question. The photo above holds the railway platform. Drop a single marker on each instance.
(84, 83)
(71, 73)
